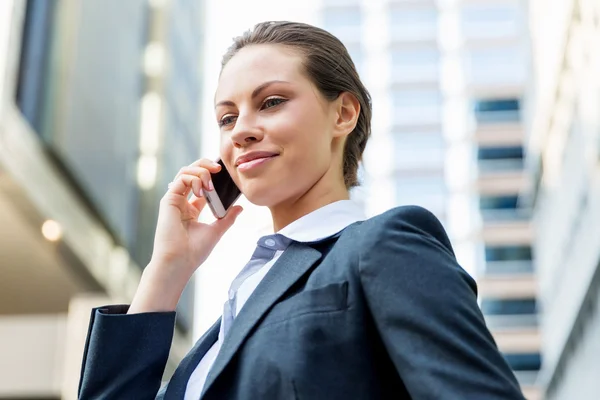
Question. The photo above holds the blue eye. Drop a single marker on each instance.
(227, 120)
(272, 102)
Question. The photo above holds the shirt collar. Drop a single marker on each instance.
(324, 222)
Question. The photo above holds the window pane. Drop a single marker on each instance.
(508, 306)
(509, 267)
(497, 110)
(524, 361)
(415, 98)
(419, 150)
(490, 20)
(498, 202)
(411, 24)
(424, 191)
(496, 65)
(508, 253)
(499, 153)
(416, 107)
(34, 63)
(410, 65)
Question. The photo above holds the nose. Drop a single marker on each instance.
(245, 132)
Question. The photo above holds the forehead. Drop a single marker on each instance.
(256, 64)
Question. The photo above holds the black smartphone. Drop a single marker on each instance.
(225, 194)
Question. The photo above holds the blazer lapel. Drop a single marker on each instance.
(178, 383)
(291, 266)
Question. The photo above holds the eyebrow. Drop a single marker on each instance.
(255, 93)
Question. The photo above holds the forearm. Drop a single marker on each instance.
(159, 290)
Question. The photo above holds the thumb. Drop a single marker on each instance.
(222, 225)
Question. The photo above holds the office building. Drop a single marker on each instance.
(447, 81)
(98, 111)
(563, 137)
(494, 60)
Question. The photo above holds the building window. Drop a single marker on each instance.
(495, 66)
(486, 21)
(416, 64)
(500, 153)
(524, 361)
(416, 107)
(425, 191)
(508, 253)
(34, 63)
(413, 24)
(497, 110)
(419, 150)
(508, 306)
(498, 202)
(496, 159)
(509, 267)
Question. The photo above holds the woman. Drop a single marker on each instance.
(340, 307)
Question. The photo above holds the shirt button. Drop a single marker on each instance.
(270, 242)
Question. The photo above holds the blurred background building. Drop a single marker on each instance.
(87, 91)
(486, 112)
(563, 146)
(447, 80)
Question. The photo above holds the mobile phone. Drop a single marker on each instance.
(225, 194)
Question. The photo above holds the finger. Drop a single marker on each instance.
(210, 165)
(202, 173)
(198, 202)
(223, 224)
(184, 184)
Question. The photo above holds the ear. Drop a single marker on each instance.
(347, 112)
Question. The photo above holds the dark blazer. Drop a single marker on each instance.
(380, 311)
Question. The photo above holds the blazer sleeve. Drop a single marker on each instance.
(125, 355)
(425, 309)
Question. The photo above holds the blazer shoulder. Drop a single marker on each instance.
(405, 220)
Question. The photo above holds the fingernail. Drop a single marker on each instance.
(211, 187)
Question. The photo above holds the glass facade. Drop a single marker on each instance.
(413, 24)
(89, 118)
(496, 65)
(37, 33)
(416, 107)
(524, 361)
(502, 207)
(490, 21)
(413, 150)
(508, 253)
(427, 191)
(491, 306)
(489, 111)
(415, 64)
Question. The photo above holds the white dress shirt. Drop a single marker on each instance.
(317, 225)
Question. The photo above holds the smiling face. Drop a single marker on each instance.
(280, 138)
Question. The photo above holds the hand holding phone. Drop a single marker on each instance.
(182, 242)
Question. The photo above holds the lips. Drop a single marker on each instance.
(252, 156)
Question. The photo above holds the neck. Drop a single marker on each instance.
(319, 195)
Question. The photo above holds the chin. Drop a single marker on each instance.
(263, 194)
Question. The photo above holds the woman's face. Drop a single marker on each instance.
(277, 130)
